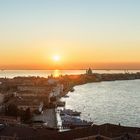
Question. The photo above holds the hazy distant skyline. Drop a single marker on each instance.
(103, 34)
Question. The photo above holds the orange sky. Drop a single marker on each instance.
(74, 55)
(101, 35)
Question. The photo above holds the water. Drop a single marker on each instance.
(108, 102)
(41, 73)
(45, 73)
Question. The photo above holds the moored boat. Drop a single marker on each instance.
(69, 112)
(73, 122)
(66, 96)
(72, 89)
(60, 104)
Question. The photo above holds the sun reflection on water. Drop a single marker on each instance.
(56, 73)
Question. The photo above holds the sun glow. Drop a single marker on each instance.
(56, 58)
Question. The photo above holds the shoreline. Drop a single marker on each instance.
(79, 91)
(77, 80)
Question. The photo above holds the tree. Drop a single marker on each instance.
(27, 115)
(11, 110)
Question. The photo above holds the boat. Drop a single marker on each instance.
(74, 122)
(66, 96)
(60, 104)
(72, 90)
(69, 112)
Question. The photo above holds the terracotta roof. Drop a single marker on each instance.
(107, 130)
(111, 130)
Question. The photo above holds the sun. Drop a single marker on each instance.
(56, 58)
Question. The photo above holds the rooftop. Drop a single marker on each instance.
(107, 130)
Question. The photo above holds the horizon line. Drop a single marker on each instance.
(71, 69)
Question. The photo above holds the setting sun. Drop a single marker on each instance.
(56, 58)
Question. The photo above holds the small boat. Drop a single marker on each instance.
(60, 104)
(66, 96)
(73, 122)
(69, 112)
(72, 90)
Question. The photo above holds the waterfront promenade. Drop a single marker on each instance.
(48, 117)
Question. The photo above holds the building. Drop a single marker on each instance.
(9, 120)
(89, 71)
(33, 103)
(56, 93)
(34, 89)
(102, 132)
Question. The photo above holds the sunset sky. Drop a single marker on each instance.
(69, 34)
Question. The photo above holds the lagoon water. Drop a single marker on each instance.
(46, 73)
(108, 102)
